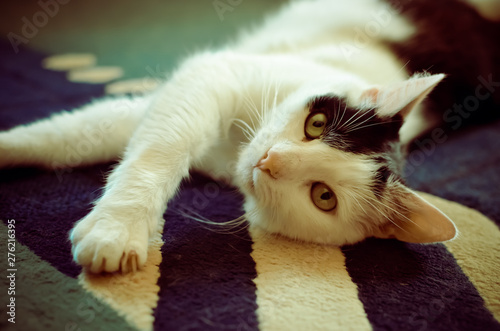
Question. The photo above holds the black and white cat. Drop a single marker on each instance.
(306, 115)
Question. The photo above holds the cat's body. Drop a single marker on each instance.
(302, 115)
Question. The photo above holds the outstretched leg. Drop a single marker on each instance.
(183, 122)
(97, 132)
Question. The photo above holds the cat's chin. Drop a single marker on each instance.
(260, 217)
(301, 236)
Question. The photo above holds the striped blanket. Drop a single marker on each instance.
(201, 277)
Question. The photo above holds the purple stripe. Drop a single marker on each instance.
(415, 287)
(206, 277)
(45, 206)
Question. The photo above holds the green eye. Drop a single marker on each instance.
(315, 125)
(323, 197)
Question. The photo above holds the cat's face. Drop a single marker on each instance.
(322, 169)
(301, 181)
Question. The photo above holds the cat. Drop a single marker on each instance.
(309, 116)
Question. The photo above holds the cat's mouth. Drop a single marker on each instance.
(258, 177)
(253, 180)
(251, 183)
(259, 172)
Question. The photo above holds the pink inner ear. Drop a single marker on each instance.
(370, 95)
(400, 98)
(425, 224)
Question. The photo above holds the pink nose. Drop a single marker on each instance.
(270, 163)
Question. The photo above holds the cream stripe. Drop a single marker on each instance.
(477, 250)
(134, 295)
(95, 75)
(65, 62)
(302, 286)
(135, 86)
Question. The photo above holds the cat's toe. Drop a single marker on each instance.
(132, 261)
(109, 246)
(107, 254)
(80, 230)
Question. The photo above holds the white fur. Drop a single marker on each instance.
(253, 92)
(489, 9)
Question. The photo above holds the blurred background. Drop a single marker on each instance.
(135, 35)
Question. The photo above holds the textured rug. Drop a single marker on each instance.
(201, 278)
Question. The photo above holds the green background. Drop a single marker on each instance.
(135, 35)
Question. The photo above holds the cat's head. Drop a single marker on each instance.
(324, 168)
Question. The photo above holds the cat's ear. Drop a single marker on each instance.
(423, 224)
(400, 98)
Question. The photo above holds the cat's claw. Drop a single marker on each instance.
(108, 245)
(129, 262)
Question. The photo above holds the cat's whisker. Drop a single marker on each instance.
(277, 86)
(262, 101)
(266, 96)
(241, 127)
(234, 226)
(341, 118)
(249, 135)
(352, 196)
(366, 126)
(245, 126)
(256, 110)
(352, 119)
(387, 199)
(370, 191)
(335, 121)
(250, 116)
(358, 121)
(392, 202)
(395, 211)
(252, 111)
(381, 212)
(356, 124)
(392, 209)
(372, 205)
(251, 105)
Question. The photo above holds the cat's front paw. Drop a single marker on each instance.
(107, 244)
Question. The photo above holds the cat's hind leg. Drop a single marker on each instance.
(97, 132)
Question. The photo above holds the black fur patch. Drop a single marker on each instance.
(358, 131)
(383, 173)
(452, 38)
(381, 178)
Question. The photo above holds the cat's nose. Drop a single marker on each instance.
(270, 163)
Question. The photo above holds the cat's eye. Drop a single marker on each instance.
(315, 125)
(323, 197)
